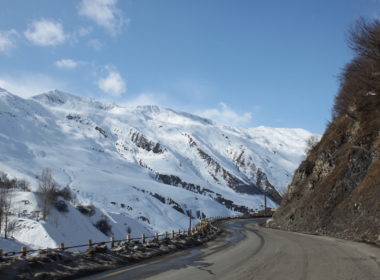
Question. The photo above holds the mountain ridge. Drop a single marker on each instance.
(148, 163)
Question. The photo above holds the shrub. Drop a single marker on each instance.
(104, 226)
(7, 183)
(66, 193)
(311, 142)
(144, 219)
(88, 210)
(61, 206)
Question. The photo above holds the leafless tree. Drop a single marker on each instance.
(3, 196)
(11, 228)
(364, 38)
(23, 185)
(47, 189)
(311, 142)
(5, 205)
(359, 81)
(7, 186)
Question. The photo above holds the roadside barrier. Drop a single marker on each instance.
(202, 226)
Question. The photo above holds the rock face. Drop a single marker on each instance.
(336, 190)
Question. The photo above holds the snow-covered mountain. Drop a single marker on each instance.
(147, 163)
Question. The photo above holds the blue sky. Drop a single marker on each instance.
(240, 62)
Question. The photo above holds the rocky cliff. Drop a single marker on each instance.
(336, 190)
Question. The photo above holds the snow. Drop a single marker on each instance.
(10, 245)
(88, 146)
(71, 227)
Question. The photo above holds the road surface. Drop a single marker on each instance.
(247, 251)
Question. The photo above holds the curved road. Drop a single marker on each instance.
(247, 251)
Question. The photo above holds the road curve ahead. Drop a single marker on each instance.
(247, 251)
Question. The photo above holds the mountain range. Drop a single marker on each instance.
(148, 164)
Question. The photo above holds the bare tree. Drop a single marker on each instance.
(47, 189)
(311, 142)
(5, 205)
(359, 81)
(11, 228)
(23, 185)
(364, 38)
(7, 186)
(2, 205)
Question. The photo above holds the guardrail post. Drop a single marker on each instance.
(1, 255)
(173, 234)
(62, 246)
(24, 250)
(129, 238)
(143, 238)
(112, 239)
(89, 243)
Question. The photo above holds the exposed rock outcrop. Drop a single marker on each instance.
(217, 172)
(142, 142)
(336, 190)
(176, 181)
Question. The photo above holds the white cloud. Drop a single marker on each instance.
(7, 40)
(27, 85)
(84, 31)
(95, 44)
(104, 13)
(225, 115)
(113, 84)
(67, 63)
(78, 34)
(45, 32)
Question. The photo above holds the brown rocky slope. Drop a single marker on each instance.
(336, 190)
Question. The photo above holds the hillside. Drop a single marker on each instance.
(146, 164)
(336, 190)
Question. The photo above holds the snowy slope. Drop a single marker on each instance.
(146, 163)
(71, 227)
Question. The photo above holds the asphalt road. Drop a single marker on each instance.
(247, 251)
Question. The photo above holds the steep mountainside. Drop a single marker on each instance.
(150, 164)
(336, 190)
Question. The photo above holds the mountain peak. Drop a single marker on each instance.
(61, 98)
(56, 97)
(3, 91)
